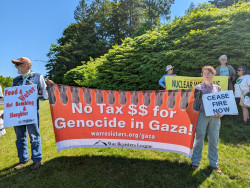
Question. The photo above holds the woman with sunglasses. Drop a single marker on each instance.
(170, 71)
(242, 85)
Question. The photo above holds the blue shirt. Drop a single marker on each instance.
(162, 80)
(224, 71)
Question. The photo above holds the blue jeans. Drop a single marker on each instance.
(211, 125)
(35, 141)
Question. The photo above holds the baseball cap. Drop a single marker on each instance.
(22, 60)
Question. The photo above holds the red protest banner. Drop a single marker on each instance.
(156, 120)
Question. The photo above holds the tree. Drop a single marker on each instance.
(79, 43)
(99, 26)
(191, 7)
(188, 43)
(225, 3)
(5, 82)
(155, 9)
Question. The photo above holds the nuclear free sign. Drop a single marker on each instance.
(221, 102)
(20, 105)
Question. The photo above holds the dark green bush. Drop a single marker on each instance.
(188, 43)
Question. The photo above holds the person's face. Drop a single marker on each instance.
(223, 61)
(207, 75)
(170, 71)
(240, 72)
(21, 67)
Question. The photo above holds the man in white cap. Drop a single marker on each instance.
(26, 77)
(170, 71)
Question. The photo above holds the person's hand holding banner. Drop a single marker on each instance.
(49, 81)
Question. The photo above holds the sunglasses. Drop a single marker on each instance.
(239, 70)
(17, 64)
(170, 69)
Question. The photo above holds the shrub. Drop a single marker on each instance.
(188, 43)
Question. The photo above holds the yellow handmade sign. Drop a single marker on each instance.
(183, 82)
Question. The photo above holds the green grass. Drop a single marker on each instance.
(112, 167)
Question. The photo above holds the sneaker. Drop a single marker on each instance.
(217, 170)
(194, 167)
(36, 165)
(21, 165)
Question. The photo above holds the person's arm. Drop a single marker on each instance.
(217, 71)
(232, 73)
(219, 89)
(43, 87)
(162, 81)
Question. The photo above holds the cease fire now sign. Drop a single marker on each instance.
(221, 103)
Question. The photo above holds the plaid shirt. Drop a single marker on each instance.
(207, 89)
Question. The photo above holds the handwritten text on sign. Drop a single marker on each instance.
(221, 102)
(20, 105)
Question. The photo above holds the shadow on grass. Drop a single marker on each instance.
(106, 171)
(233, 131)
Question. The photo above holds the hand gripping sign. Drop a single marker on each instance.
(20, 105)
(155, 120)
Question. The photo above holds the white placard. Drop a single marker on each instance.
(221, 102)
(20, 105)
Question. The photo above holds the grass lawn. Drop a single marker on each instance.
(109, 167)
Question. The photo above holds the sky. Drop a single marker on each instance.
(29, 27)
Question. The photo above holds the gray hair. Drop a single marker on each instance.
(225, 56)
(244, 68)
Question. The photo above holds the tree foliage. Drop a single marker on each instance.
(188, 43)
(225, 3)
(5, 82)
(190, 8)
(100, 25)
